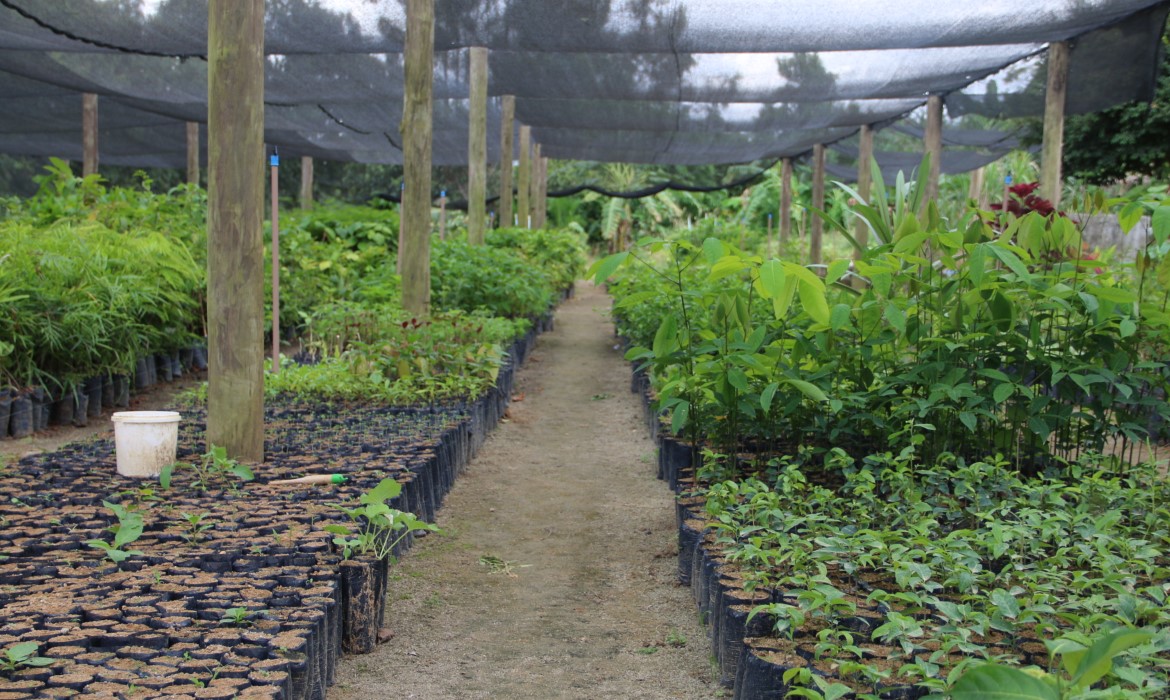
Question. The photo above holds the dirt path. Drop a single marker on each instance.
(555, 577)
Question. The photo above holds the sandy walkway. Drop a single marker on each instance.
(555, 577)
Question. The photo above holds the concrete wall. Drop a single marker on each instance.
(1102, 231)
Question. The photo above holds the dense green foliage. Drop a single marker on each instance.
(925, 456)
(1123, 141)
(89, 289)
(340, 252)
(943, 333)
(487, 278)
(560, 253)
(93, 277)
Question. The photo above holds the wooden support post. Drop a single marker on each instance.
(306, 182)
(524, 179)
(933, 144)
(507, 155)
(1054, 96)
(534, 183)
(89, 134)
(235, 219)
(768, 240)
(417, 126)
(274, 187)
(192, 153)
(785, 201)
(816, 226)
(864, 182)
(443, 215)
(477, 148)
(975, 187)
(542, 193)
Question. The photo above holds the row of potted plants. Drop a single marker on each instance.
(976, 360)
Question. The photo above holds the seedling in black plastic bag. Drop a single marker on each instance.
(22, 655)
(379, 528)
(127, 530)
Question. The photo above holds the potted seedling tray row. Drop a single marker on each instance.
(217, 580)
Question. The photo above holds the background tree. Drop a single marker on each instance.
(1131, 139)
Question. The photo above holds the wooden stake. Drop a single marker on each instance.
(477, 147)
(932, 141)
(235, 218)
(785, 200)
(864, 182)
(534, 183)
(507, 155)
(524, 178)
(542, 194)
(89, 134)
(1054, 97)
(975, 187)
(443, 215)
(193, 153)
(417, 125)
(816, 226)
(306, 182)
(274, 187)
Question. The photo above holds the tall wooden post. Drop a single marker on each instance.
(816, 226)
(864, 182)
(192, 153)
(235, 219)
(443, 215)
(534, 181)
(306, 197)
(417, 125)
(274, 188)
(1053, 148)
(89, 134)
(975, 187)
(785, 221)
(507, 154)
(524, 178)
(477, 148)
(542, 193)
(933, 144)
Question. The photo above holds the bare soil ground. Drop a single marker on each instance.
(555, 574)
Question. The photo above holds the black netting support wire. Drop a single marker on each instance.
(92, 42)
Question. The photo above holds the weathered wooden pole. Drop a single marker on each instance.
(975, 187)
(524, 179)
(864, 182)
(932, 141)
(785, 221)
(235, 219)
(306, 197)
(534, 181)
(417, 125)
(816, 225)
(1054, 96)
(443, 215)
(542, 194)
(274, 188)
(89, 134)
(507, 154)
(477, 148)
(192, 153)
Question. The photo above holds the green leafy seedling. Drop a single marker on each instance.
(22, 655)
(126, 531)
(236, 616)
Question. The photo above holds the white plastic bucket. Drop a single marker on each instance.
(145, 441)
